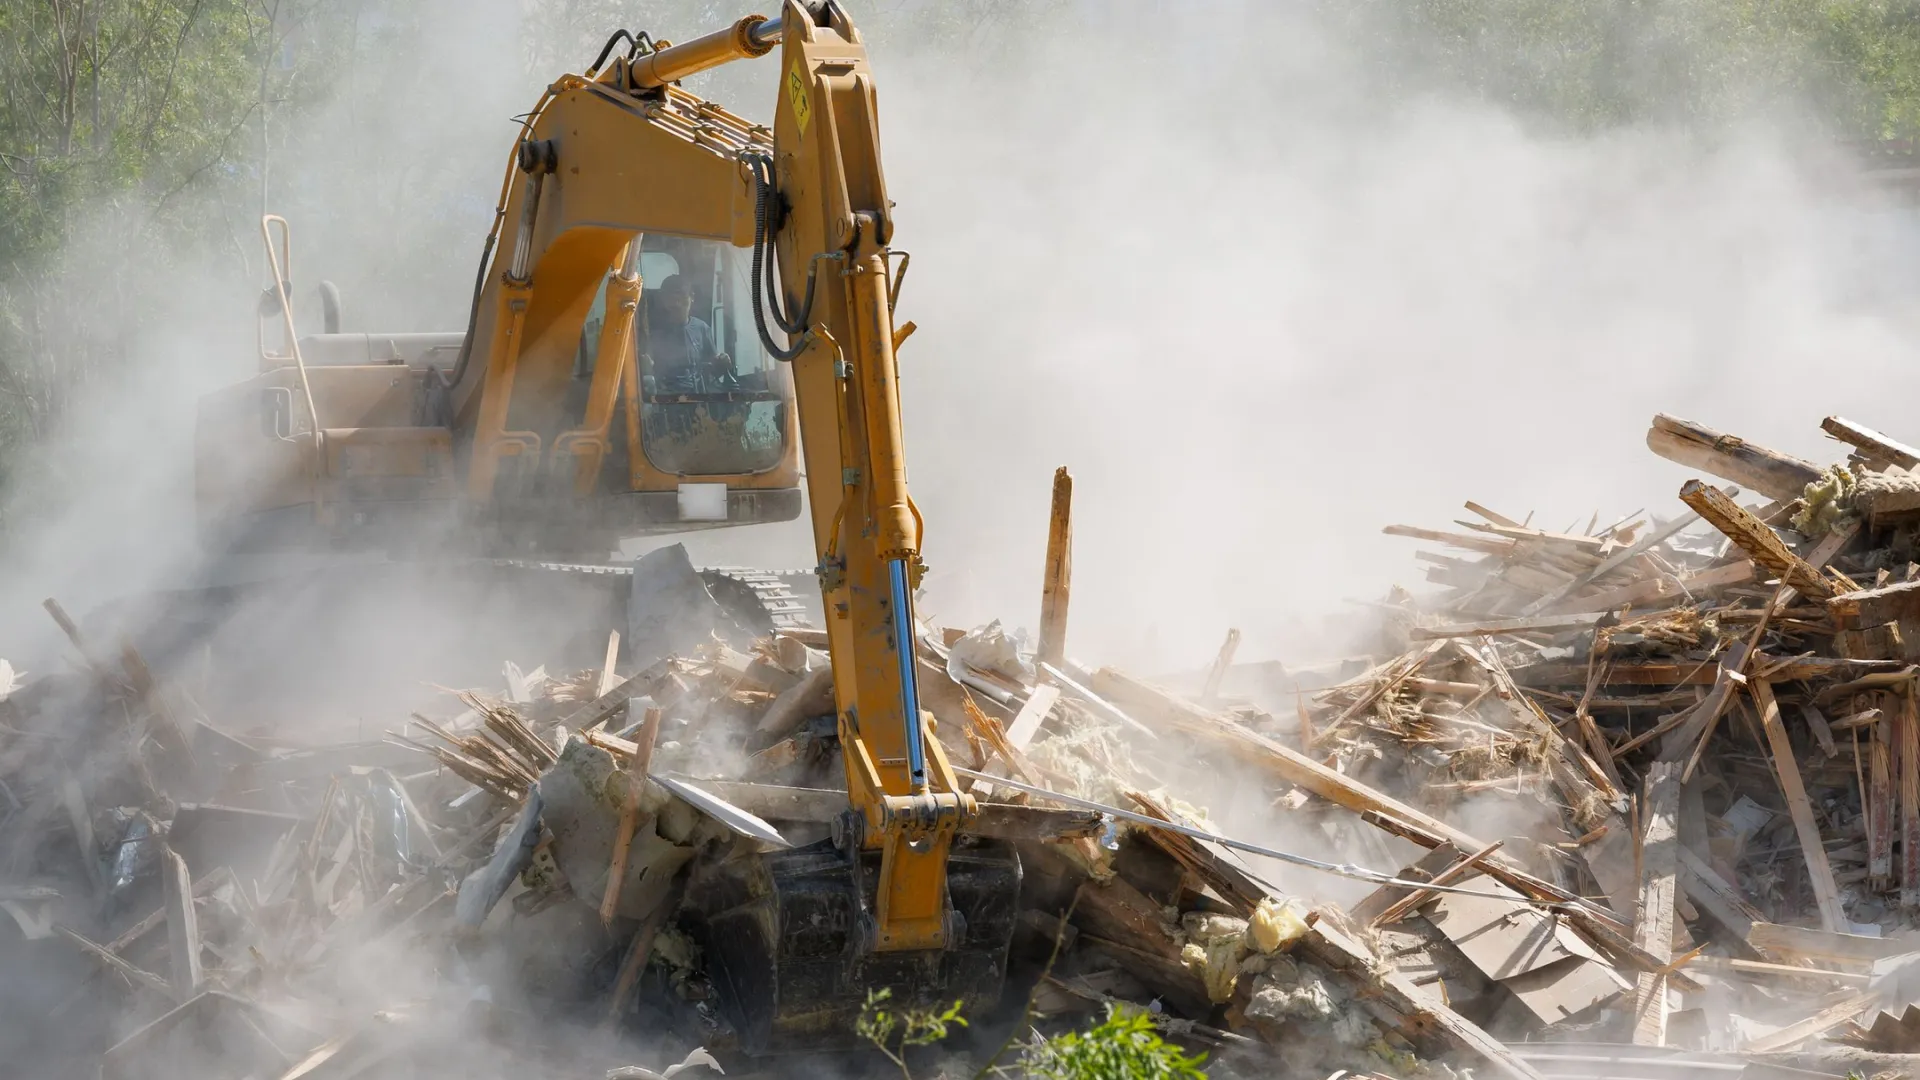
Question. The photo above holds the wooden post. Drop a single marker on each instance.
(629, 814)
(1819, 871)
(1659, 872)
(1222, 662)
(1058, 578)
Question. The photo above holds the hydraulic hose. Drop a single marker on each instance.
(766, 289)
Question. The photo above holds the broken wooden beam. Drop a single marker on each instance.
(1756, 539)
(1864, 608)
(1773, 474)
(1871, 445)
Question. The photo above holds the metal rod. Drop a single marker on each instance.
(903, 646)
(752, 36)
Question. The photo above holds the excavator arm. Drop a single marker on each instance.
(834, 246)
(622, 152)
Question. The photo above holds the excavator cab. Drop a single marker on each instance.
(712, 402)
(350, 440)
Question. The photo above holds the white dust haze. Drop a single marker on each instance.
(1259, 306)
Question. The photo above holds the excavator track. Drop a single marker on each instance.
(769, 596)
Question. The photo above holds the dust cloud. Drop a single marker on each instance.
(1260, 304)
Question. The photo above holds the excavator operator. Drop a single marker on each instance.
(686, 357)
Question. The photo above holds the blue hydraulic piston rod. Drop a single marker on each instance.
(903, 647)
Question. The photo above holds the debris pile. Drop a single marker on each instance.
(1707, 723)
(1655, 784)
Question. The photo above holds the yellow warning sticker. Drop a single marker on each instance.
(797, 94)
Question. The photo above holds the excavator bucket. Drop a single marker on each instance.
(786, 942)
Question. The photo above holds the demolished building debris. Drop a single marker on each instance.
(1700, 727)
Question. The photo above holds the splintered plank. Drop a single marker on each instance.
(1751, 535)
(1506, 626)
(1826, 1019)
(1611, 563)
(1871, 444)
(1646, 593)
(607, 676)
(1524, 709)
(1803, 943)
(1825, 891)
(1773, 474)
(1865, 608)
(135, 975)
(1822, 733)
(1398, 672)
(1026, 723)
(1485, 544)
(1659, 872)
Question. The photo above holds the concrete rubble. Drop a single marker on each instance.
(1698, 728)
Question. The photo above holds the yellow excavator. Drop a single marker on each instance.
(674, 304)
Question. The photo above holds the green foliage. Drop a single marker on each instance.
(1851, 65)
(1124, 1046)
(893, 1032)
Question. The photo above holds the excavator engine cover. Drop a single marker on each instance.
(784, 942)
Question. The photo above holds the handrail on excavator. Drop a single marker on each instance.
(281, 264)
